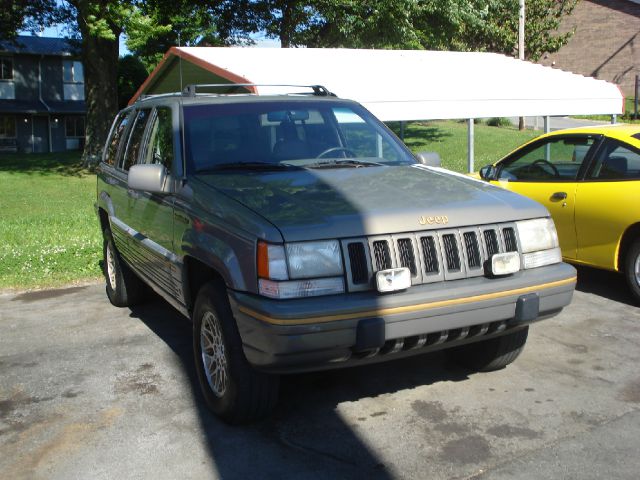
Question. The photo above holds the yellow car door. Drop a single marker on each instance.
(548, 171)
(560, 200)
(607, 203)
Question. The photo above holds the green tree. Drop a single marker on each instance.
(193, 24)
(462, 25)
(131, 75)
(496, 28)
(30, 15)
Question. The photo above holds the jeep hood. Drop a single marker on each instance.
(310, 204)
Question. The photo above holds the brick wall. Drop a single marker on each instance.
(606, 43)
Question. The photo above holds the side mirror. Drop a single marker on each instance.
(430, 159)
(488, 172)
(152, 178)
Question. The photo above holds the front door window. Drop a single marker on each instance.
(554, 160)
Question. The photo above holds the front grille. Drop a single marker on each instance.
(358, 263)
(491, 242)
(430, 256)
(451, 253)
(509, 235)
(473, 250)
(407, 258)
(381, 255)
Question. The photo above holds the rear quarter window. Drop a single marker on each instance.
(136, 139)
(113, 143)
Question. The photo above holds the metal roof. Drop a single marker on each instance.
(32, 45)
(398, 84)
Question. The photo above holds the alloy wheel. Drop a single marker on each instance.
(214, 359)
(111, 267)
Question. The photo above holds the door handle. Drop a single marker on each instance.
(556, 197)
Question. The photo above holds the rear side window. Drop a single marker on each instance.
(160, 149)
(616, 161)
(119, 127)
(135, 139)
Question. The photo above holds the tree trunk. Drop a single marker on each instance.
(100, 59)
(286, 24)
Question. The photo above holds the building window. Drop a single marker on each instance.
(7, 126)
(74, 127)
(73, 76)
(72, 71)
(6, 69)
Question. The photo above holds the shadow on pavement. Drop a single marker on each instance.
(605, 284)
(306, 437)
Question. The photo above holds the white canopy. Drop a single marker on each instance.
(398, 84)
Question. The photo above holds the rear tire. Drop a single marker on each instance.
(232, 389)
(124, 288)
(492, 354)
(632, 270)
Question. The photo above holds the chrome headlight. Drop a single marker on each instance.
(300, 269)
(538, 242)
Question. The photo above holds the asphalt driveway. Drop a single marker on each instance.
(91, 391)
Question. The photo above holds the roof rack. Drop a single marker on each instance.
(144, 96)
(191, 89)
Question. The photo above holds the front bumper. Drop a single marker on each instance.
(339, 330)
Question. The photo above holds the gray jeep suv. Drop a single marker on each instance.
(298, 233)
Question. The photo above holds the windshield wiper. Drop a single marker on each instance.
(348, 162)
(247, 166)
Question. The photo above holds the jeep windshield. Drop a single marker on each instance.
(287, 134)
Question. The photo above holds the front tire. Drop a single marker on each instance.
(492, 354)
(632, 270)
(232, 389)
(124, 288)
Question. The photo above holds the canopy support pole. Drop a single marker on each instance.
(547, 129)
(614, 119)
(470, 145)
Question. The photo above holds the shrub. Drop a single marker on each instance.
(499, 122)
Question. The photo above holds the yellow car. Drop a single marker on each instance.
(589, 180)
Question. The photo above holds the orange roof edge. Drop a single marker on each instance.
(179, 52)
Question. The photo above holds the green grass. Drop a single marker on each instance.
(627, 117)
(49, 234)
(449, 139)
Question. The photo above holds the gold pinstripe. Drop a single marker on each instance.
(405, 309)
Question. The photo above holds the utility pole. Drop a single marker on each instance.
(521, 45)
(521, 30)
